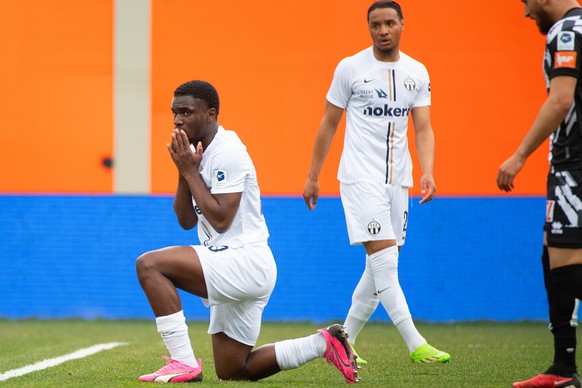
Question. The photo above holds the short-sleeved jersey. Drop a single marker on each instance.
(563, 56)
(226, 167)
(378, 98)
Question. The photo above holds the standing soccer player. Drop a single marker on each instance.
(233, 269)
(379, 88)
(560, 119)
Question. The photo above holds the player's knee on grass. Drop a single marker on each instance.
(227, 371)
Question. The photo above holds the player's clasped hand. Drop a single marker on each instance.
(184, 157)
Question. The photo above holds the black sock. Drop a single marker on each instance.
(569, 279)
(564, 351)
(561, 307)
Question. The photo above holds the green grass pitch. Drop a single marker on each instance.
(484, 354)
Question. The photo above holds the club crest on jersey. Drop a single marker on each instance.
(409, 84)
(374, 227)
(220, 178)
(566, 40)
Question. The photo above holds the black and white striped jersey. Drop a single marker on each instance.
(563, 56)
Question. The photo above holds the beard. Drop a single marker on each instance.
(544, 23)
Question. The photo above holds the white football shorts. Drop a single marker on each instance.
(239, 283)
(375, 211)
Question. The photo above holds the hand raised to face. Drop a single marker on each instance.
(186, 159)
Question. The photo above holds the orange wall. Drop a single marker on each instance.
(55, 95)
(272, 63)
(272, 66)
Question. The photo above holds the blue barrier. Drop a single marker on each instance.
(465, 258)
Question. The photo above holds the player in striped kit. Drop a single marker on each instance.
(558, 118)
(379, 88)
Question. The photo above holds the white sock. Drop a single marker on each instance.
(364, 303)
(410, 335)
(174, 333)
(293, 353)
(353, 327)
(384, 264)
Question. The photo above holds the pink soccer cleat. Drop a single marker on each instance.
(175, 372)
(339, 352)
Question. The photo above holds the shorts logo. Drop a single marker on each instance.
(374, 227)
(550, 210)
(566, 40)
(409, 84)
(557, 228)
(220, 177)
(564, 59)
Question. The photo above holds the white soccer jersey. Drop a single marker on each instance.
(378, 98)
(227, 168)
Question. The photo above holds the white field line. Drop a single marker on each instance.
(82, 353)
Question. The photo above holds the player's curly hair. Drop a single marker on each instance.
(202, 90)
(386, 4)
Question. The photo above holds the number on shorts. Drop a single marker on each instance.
(405, 221)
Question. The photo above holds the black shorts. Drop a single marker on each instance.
(564, 209)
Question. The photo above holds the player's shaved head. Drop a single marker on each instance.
(386, 4)
(201, 90)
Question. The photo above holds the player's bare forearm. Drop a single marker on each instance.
(541, 129)
(323, 141)
(425, 148)
(219, 209)
(320, 149)
(551, 114)
(425, 142)
(183, 206)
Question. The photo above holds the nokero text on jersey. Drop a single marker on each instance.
(386, 111)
